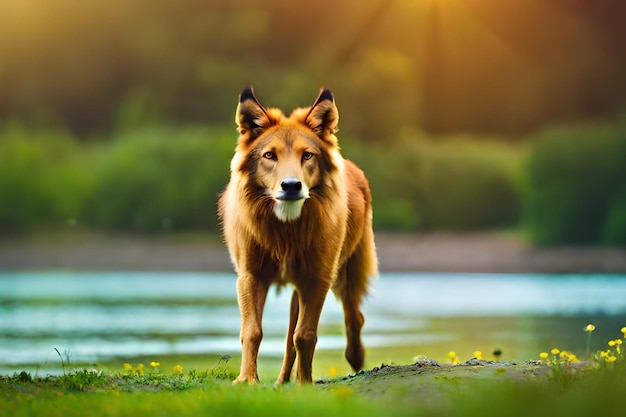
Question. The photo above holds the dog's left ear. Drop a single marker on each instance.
(323, 117)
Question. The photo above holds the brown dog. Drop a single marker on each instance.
(296, 212)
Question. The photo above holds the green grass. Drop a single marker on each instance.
(432, 391)
(560, 385)
(160, 393)
(211, 399)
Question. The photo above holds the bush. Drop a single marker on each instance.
(453, 184)
(574, 176)
(391, 183)
(614, 231)
(468, 185)
(161, 179)
(41, 179)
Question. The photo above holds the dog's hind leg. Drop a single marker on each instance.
(290, 352)
(251, 295)
(353, 318)
(351, 287)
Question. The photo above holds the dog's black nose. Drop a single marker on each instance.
(291, 184)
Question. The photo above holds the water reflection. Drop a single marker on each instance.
(98, 316)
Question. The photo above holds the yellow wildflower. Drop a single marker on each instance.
(543, 355)
(572, 358)
(141, 369)
(332, 371)
(555, 351)
(155, 364)
(611, 343)
(604, 353)
(623, 330)
(128, 367)
(478, 355)
(178, 369)
(618, 342)
(454, 360)
(590, 328)
(611, 358)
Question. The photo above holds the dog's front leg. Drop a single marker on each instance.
(305, 335)
(251, 295)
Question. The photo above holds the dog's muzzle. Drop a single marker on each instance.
(291, 190)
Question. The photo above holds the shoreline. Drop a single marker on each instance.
(481, 252)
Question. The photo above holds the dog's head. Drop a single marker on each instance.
(286, 156)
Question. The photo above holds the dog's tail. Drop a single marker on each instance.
(369, 260)
(359, 270)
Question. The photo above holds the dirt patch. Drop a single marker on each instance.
(426, 380)
(472, 252)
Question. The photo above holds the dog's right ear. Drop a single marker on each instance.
(251, 117)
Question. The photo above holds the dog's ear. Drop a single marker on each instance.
(251, 117)
(323, 116)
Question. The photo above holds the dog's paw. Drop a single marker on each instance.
(281, 381)
(250, 379)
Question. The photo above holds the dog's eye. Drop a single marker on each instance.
(269, 155)
(307, 155)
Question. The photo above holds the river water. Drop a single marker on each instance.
(98, 316)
